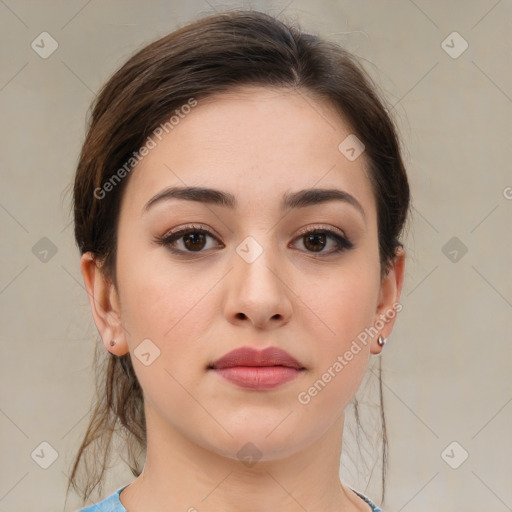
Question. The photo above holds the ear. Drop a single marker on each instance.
(104, 303)
(389, 297)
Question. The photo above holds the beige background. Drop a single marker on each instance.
(448, 363)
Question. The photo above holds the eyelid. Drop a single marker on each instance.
(177, 233)
(325, 227)
(191, 227)
(338, 235)
(212, 232)
(343, 241)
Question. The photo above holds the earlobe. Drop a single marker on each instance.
(389, 300)
(104, 305)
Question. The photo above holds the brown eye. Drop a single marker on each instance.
(187, 240)
(194, 241)
(316, 240)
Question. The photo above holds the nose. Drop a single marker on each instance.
(259, 291)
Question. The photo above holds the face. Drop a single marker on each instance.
(248, 274)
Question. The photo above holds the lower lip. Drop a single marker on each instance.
(258, 377)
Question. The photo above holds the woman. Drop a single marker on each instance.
(238, 203)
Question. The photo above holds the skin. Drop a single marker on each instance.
(293, 298)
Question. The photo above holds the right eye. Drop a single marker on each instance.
(192, 239)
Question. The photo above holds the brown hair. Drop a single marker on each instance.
(209, 56)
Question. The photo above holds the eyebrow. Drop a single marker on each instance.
(299, 199)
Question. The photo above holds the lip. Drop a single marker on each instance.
(250, 368)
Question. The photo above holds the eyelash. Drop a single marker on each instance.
(342, 242)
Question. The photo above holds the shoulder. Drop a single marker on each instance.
(363, 497)
(110, 504)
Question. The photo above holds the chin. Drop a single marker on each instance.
(256, 442)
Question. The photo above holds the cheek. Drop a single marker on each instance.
(345, 304)
(342, 351)
(344, 311)
(168, 305)
(163, 306)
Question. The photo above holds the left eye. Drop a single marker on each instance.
(315, 240)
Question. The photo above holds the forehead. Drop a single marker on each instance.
(256, 143)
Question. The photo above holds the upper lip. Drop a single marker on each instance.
(248, 356)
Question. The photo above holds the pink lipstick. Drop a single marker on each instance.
(257, 369)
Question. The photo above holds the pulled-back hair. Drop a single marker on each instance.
(208, 56)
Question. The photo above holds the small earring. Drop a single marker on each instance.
(112, 343)
(382, 341)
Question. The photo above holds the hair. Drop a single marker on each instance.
(211, 55)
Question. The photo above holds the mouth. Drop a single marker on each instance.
(257, 369)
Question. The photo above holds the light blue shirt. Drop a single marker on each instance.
(113, 503)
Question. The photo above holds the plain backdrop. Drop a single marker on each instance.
(445, 70)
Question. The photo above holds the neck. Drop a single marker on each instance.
(181, 475)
